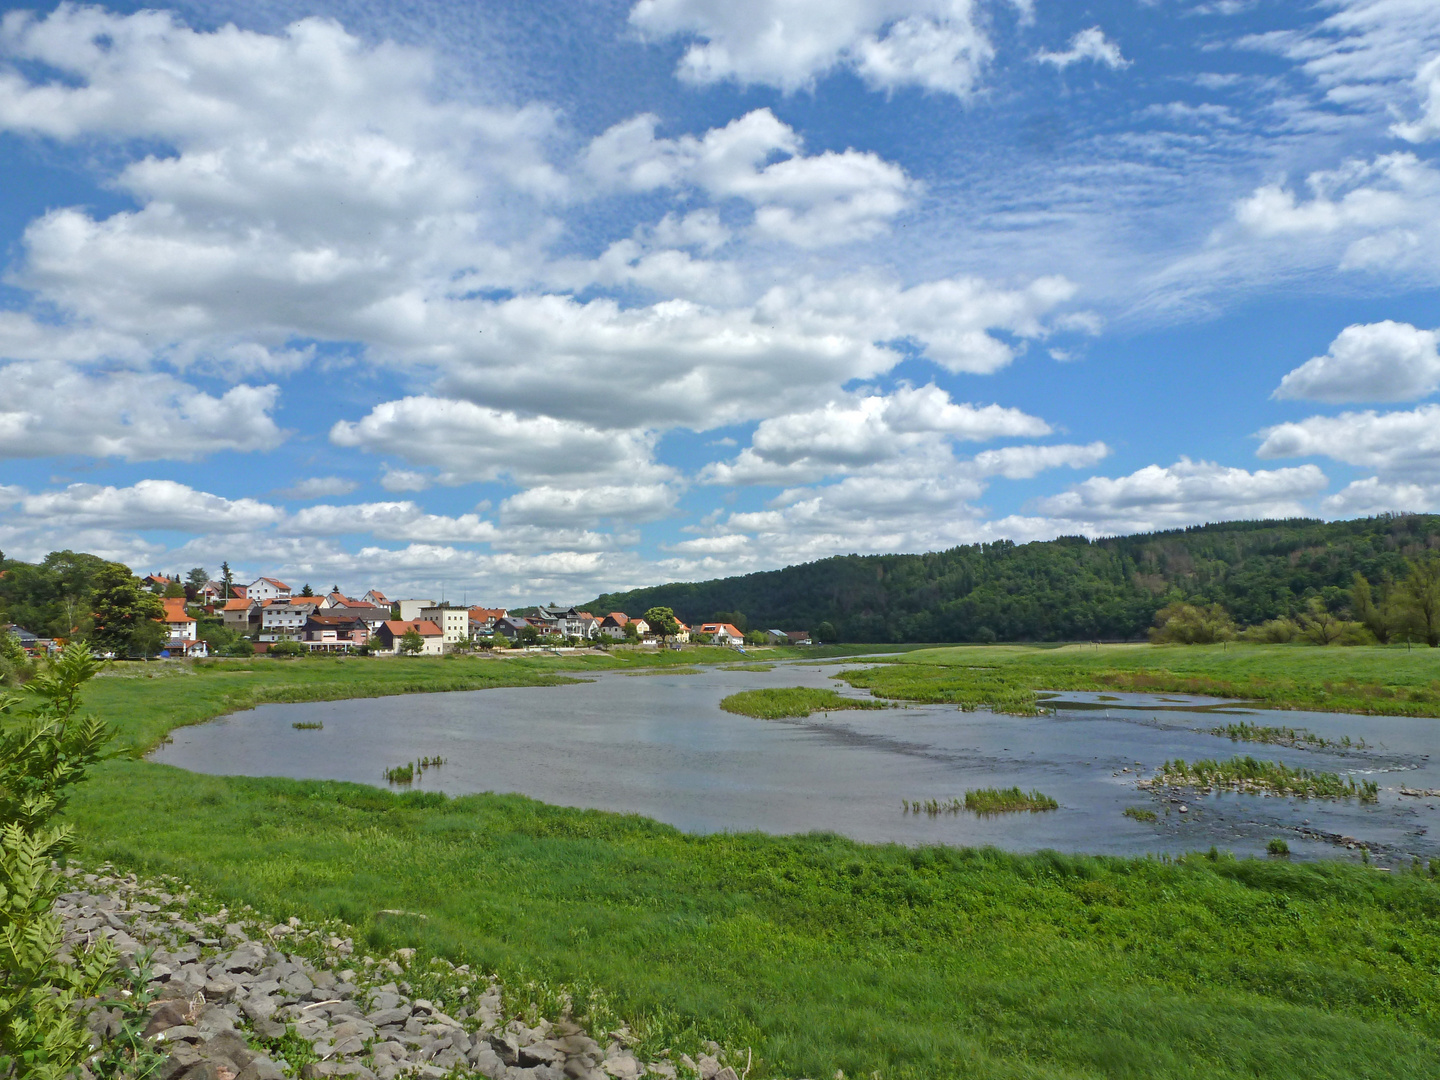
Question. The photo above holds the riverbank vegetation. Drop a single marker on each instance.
(1245, 731)
(817, 952)
(1250, 774)
(792, 701)
(824, 954)
(1369, 680)
(985, 802)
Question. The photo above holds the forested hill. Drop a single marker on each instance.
(1057, 590)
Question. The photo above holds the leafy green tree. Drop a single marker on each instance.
(174, 591)
(1322, 627)
(227, 579)
(286, 648)
(662, 620)
(43, 753)
(1189, 624)
(411, 643)
(529, 635)
(632, 632)
(149, 637)
(825, 634)
(1422, 594)
(1381, 615)
(734, 618)
(307, 591)
(197, 579)
(120, 607)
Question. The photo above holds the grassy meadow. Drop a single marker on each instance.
(818, 953)
(1383, 680)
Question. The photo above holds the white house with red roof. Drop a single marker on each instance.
(267, 588)
(723, 633)
(182, 629)
(388, 638)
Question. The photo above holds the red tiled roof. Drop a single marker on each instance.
(423, 627)
(236, 605)
(175, 610)
(277, 584)
(619, 616)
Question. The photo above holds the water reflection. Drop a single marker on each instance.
(662, 747)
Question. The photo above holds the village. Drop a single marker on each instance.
(268, 616)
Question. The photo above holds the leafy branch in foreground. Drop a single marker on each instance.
(43, 752)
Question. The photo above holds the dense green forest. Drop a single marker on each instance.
(1061, 590)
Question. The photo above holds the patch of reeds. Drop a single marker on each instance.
(308, 725)
(984, 801)
(1278, 847)
(1140, 813)
(1008, 801)
(748, 667)
(401, 774)
(792, 701)
(1283, 736)
(1249, 774)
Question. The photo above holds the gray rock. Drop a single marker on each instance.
(179, 1033)
(258, 1007)
(231, 1046)
(381, 1017)
(268, 1029)
(260, 1068)
(727, 1073)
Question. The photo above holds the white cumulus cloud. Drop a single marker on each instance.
(54, 409)
(827, 198)
(936, 45)
(1399, 445)
(1186, 493)
(1091, 44)
(147, 505)
(469, 443)
(1384, 361)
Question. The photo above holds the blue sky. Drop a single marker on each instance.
(523, 302)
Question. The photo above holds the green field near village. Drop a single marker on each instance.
(816, 953)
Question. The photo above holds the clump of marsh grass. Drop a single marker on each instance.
(1283, 736)
(308, 725)
(401, 774)
(1248, 774)
(984, 801)
(1140, 813)
(792, 701)
(1008, 800)
(1278, 847)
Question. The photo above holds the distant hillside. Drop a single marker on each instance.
(1059, 590)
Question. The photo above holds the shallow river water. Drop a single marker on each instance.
(659, 745)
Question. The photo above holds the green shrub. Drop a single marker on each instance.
(43, 752)
(1278, 847)
(287, 649)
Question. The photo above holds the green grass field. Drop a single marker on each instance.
(816, 952)
(1390, 681)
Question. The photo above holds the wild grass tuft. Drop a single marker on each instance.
(1278, 847)
(1008, 801)
(308, 725)
(1283, 736)
(401, 774)
(1140, 813)
(792, 701)
(1250, 774)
